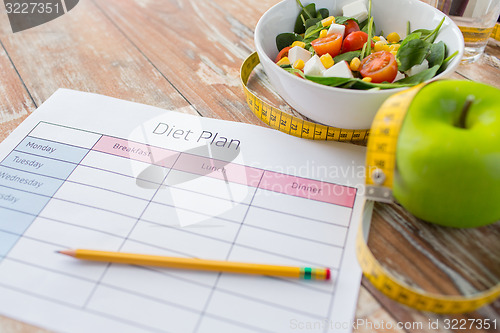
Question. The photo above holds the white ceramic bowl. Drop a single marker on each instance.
(346, 108)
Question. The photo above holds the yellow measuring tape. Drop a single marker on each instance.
(496, 32)
(381, 148)
(380, 169)
(415, 298)
(287, 123)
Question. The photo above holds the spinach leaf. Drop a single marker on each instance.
(313, 30)
(348, 56)
(412, 53)
(436, 54)
(311, 22)
(307, 12)
(420, 77)
(446, 60)
(430, 35)
(363, 85)
(329, 81)
(364, 26)
(344, 19)
(426, 34)
(312, 33)
(412, 36)
(367, 47)
(423, 32)
(308, 41)
(322, 13)
(355, 83)
(348, 85)
(286, 39)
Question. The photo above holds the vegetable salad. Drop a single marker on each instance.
(335, 51)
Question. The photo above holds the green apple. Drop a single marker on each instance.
(448, 155)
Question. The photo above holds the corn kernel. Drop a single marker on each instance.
(376, 38)
(379, 46)
(394, 47)
(393, 37)
(327, 60)
(367, 79)
(394, 52)
(328, 21)
(323, 33)
(283, 61)
(299, 64)
(386, 47)
(299, 43)
(355, 63)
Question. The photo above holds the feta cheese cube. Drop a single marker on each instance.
(418, 68)
(399, 76)
(337, 28)
(314, 66)
(340, 69)
(356, 9)
(296, 53)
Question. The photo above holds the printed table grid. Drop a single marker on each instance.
(186, 209)
(222, 285)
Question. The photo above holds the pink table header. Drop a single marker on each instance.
(231, 172)
(308, 188)
(223, 170)
(136, 151)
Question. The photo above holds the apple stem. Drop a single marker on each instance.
(465, 111)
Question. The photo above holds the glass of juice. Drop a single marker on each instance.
(475, 18)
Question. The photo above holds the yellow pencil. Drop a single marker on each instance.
(306, 273)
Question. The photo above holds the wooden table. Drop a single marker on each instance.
(185, 56)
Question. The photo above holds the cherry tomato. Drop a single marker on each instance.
(355, 41)
(283, 53)
(380, 66)
(329, 44)
(350, 26)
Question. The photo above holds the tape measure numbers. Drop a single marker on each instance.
(380, 169)
(381, 147)
(287, 123)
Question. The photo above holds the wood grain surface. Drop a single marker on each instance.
(185, 56)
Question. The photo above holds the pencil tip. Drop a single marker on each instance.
(67, 252)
